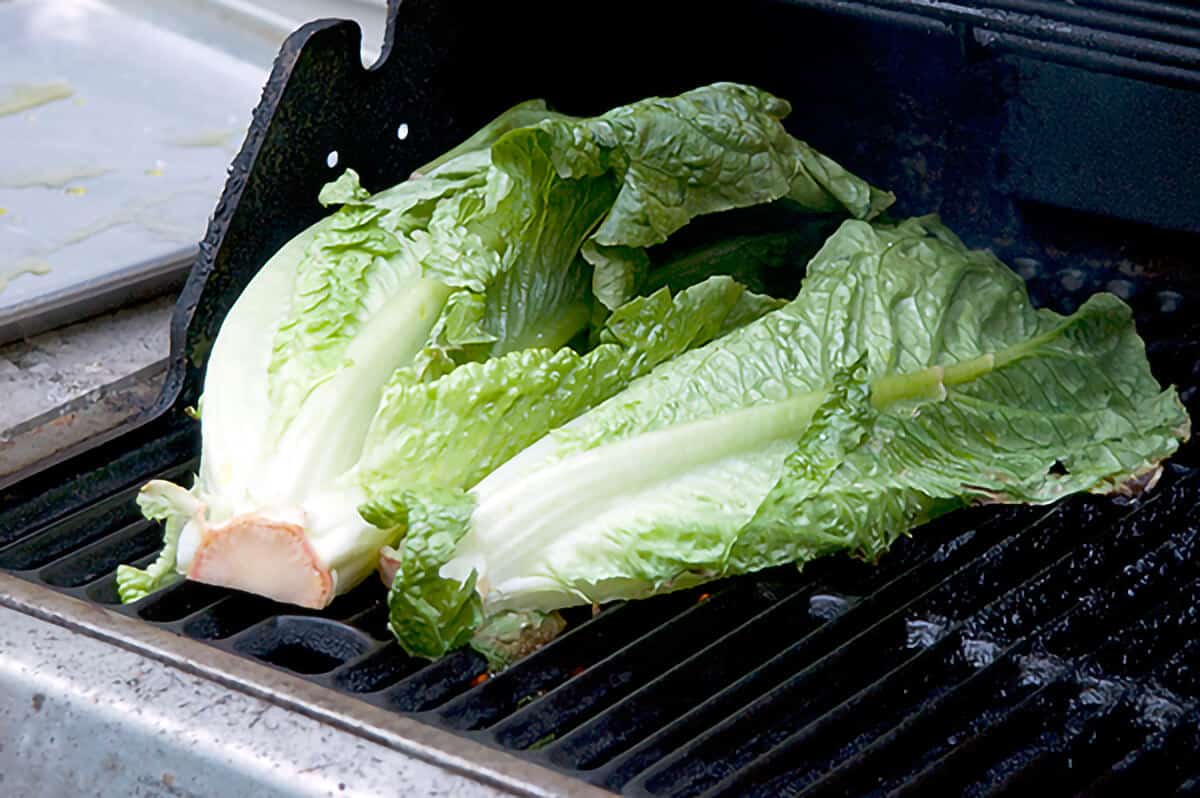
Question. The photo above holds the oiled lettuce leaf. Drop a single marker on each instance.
(908, 377)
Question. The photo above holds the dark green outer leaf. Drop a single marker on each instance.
(429, 615)
(712, 149)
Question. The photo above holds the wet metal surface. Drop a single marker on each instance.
(139, 695)
(82, 717)
(111, 182)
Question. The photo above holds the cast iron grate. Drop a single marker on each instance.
(998, 649)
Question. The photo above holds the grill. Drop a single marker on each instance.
(998, 649)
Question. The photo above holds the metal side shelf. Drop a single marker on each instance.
(88, 707)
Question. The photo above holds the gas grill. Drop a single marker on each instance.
(1053, 649)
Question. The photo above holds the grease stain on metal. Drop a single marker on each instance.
(56, 177)
(33, 266)
(216, 137)
(23, 96)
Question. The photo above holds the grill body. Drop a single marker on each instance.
(996, 650)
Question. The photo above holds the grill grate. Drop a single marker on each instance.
(998, 649)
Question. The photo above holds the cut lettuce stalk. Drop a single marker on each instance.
(337, 340)
(909, 376)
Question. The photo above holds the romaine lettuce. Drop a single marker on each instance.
(328, 372)
(910, 376)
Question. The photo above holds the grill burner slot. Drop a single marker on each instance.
(179, 601)
(40, 548)
(634, 664)
(134, 542)
(383, 667)
(230, 615)
(303, 645)
(436, 684)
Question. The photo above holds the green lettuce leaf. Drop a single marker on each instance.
(433, 614)
(608, 188)
(909, 376)
(355, 268)
(520, 115)
(482, 256)
(158, 501)
(454, 430)
(701, 164)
